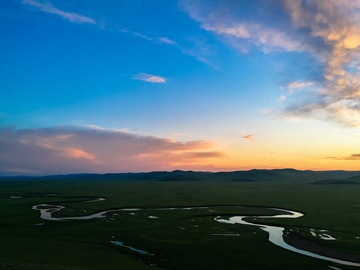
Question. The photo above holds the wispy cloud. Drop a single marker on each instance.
(283, 116)
(351, 157)
(298, 85)
(154, 39)
(166, 40)
(250, 136)
(70, 16)
(328, 31)
(267, 38)
(221, 17)
(149, 78)
(78, 18)
(200, 49)
(64, 149)
(282, 98)
(195, 47)
(133, 33)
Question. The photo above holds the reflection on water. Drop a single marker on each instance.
(276, 234)
(46, 211)
(96, 200)
(321, 234)
(131, 248)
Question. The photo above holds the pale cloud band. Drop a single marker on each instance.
(63, 150)
(149, 78)
(299, 85)
(70, 16)
(166, 40)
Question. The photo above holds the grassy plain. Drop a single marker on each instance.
(177, 239)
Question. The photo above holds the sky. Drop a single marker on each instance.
(147, 85)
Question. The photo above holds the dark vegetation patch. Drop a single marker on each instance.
(31, 266)
(86, 244)
(335, 182)
(354, 180)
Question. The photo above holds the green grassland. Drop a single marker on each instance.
(177, 239)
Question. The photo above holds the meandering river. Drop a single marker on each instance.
(276, 233)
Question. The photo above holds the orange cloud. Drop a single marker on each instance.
(76, 153)
(59, 150)
(197, 155)
(64, 152)
(250, 136)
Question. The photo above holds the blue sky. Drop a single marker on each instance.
(63, 65)
(243, 75)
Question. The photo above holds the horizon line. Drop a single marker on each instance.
(165, 171)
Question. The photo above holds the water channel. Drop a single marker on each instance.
(276, 233)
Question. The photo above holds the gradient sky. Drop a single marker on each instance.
(119, 86)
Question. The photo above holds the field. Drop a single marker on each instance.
(178, 238)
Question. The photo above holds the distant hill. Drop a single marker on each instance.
(280, 175)
(177, 175)
(255, 175)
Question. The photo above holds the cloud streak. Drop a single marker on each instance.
(327, 30)
(58, 150)
(70, 16)
(198, 50)
(166, 40)
(149, 78)
(267, 38)
(299, 85)
(351, 157)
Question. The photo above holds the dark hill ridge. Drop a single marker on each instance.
(176, 175)
(255, 175)
(280, 175)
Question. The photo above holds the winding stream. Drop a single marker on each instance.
(276, 233)
(143, 252)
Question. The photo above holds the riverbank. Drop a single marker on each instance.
(311, 246)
